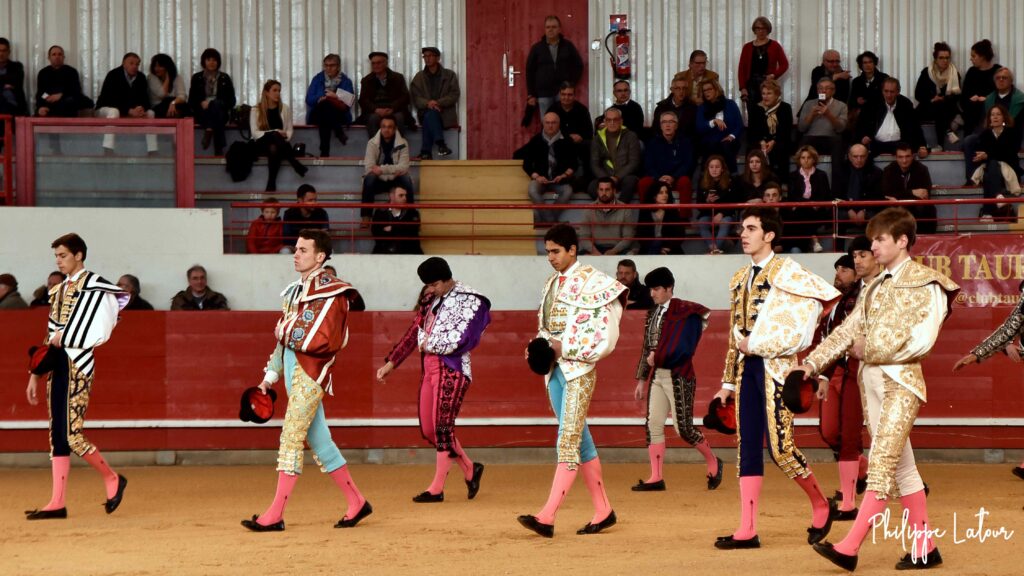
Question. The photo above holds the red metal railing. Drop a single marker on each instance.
(7, 190)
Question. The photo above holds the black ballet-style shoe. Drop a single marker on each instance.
(730, 543)
(531, 522)
(845, 515)
(111, 504)
(642, 486)
(365, 511)
(848, 563)
(716, 480)
(927, 490)
(58, 514)
(427, 497)
(815, 535)
(862, 485)
(932, 560)
(1019, 472)
(257, 527)
(608, 522)
(473, 485)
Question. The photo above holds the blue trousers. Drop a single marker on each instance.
(433, 130)
(752, 425)
(319, 435)
(557, 394)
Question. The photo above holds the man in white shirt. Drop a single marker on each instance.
(889, 122)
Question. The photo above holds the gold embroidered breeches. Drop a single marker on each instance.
(570, 400)
(303, 401)
(891, 409)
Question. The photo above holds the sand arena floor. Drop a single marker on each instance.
(185, 520)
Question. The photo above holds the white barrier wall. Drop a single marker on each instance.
(158, 245)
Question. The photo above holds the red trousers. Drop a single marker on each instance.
(842, 414)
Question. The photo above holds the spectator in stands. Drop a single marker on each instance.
(125, 95)
(167, 94)
(435, 93)
(1003, 93)
(59, 88)
(610, 228)
(329, 101)
(770, 127)
(679, 101)
(266, 233)
(639, 297)
(385, 164)
(356, 304)
(632, 112)
(938, 94)
(823, 122)
(719, 124)
(908, 179)
(807, 184)
(616, 154)
(715, 187)
(133, 287)
(10, 299)
(383, 92)
(306, 214)
(978, 83)
(576, 125)
(271, 124)
(12, 83)
(773, 195)
(888, 121)
(997, 160)
(866, 88)
(858, 180)
(396, 230)
(198, 295)
(549, 159)
(668, 159)
(211, 95)
(760, 59)
(41, 295)
(551, 63)
(696, 73)
(661, 230)
(832, 68)
(756, 175)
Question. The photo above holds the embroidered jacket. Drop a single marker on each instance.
(778, 315)
(449, 326)
(829, 322)
(313, 325)
(584, 315)
(87, 312)
(1010, 329)
(899, 318)
(674, 340)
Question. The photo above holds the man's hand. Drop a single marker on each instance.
(841, 75)
(433, 105)
(921, 193)
(384, 371)
(638, 394)
(969, 359)
(264, 386)
(667, 179)
(172, 110)
(724, 395)
(30, 392)
(531, 101)
(137, 112)
(650, 359)
(556, 345)
(54, 97)
(43, 111)
(980, 156)
(865, 140)
(204, 104)
(576, 138)
(822, 392)
(743, 345)
(1013, 351)
(857, 350)
(768, 146)
(55, 339)
(720, 124)
(376, 170)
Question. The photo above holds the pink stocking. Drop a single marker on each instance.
(595, 484)
(344, 481)
(848, 470)
(819, 504)
(464, 462)
(657, 455)
(285, 485)
(444, 464)
(750, 495)
(95, 459)
(916, 505)
(61, 467)
(705, 450)
(559, 490)
(870, 506)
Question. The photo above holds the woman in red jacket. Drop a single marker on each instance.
(762, 58)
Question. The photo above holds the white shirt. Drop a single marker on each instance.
(889, 131)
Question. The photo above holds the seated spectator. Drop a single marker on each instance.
(719, 124)
(610, 228)
(271, 124)
(1010, 97)
(396, 230)
(715, 187)
(12, 83)
(773, 195)
(756, 174)
(198, 295)
(133, 287)
(668, 159)
(167, 94)
(211, 95)
(125, 95)
(59, 88)
(305, 215)
(383, 92)
(575, 125)
(550, 161)
(938, 94)
(385, 164)
(632, 112)
(10, 299)
(866, 88)
(886, 122)
(857, 180)
(356, 304)
(979, 82)
(807, 184)
(908, 179)
(266, 234)
(832, 68)
(329, 101)
(41, 295)
(615, 154)
(661, 230)
(760, 59)
(551, 63)
(696, 73)
(998, 164)
(435, 94)
(823, 121)
(639, 297)
(678, 101)
(771, 126)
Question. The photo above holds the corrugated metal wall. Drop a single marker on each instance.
(901, 32)
(259, 39)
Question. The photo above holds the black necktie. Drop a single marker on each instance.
(755, 270)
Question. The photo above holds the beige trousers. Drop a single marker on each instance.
(891, 410)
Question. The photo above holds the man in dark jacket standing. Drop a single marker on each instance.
(551, 62)
(383, 92)
(435, 93)
(550, 161)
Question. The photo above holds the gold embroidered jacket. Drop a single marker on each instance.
(1005, 334)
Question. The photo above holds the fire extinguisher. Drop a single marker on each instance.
(621, 62)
